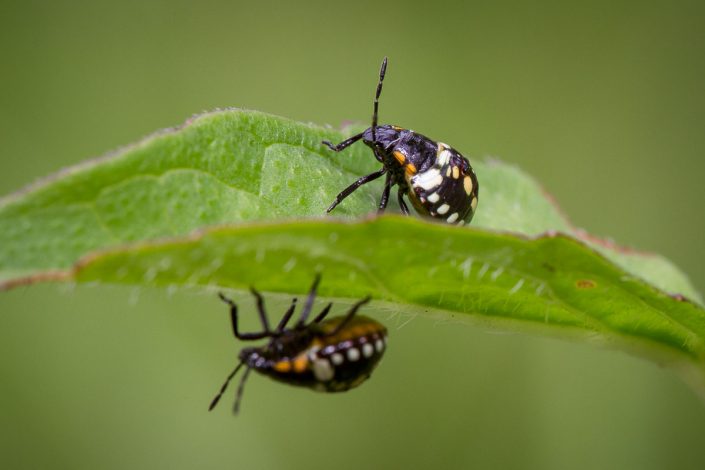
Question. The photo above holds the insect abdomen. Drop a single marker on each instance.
(448, 190)
(353, 353)
(334, 363)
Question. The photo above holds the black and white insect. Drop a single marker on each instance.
(327, 355)
(437, 179)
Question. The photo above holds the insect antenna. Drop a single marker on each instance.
(240, 389)
(382, 71)
(225, 385)
(351, 140)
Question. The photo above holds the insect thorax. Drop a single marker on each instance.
(403, 151)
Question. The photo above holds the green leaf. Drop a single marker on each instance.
(551, 283)
(521, 264)
(222, 167)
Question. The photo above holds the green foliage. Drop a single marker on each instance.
(232, 167)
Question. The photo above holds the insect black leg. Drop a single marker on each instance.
(285, 319)
(240, 389)
(385, 194)
(378, 152)
(309, 301)
(350, 189)
(260, 310)
(349, 316)
(323, 314)
(233, 320)
(344, 144)
(382, 71)
(402, 204)
(225, 385)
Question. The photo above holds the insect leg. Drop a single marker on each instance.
(385, 194)
(309, 301)
(261, 311)
(285, 319)
(350, 189)
(344, 144)
(225, 385)
(349, 316)
(323, 313)
(402, 204)
(233, 320)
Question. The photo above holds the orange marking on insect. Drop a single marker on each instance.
(401, 158)
(467, 184)
(283, 366)
(410, 169)
(355, 332)
(300, 363)
(358, 326)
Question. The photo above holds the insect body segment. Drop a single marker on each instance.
(437, 179)
(328, 355)
(447, 189)
(333, 362)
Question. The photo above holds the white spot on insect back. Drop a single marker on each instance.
(452, 217)
(443, 158)
(337, 358)
(433, 198)
(368, 350)
(353, 354)
(313, 353)
(428, 179)
(443, 209)
(323, 370)
(379, 345)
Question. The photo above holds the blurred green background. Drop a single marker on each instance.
(603, 102)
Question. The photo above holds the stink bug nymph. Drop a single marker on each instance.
(327, 355)
(437, 179)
